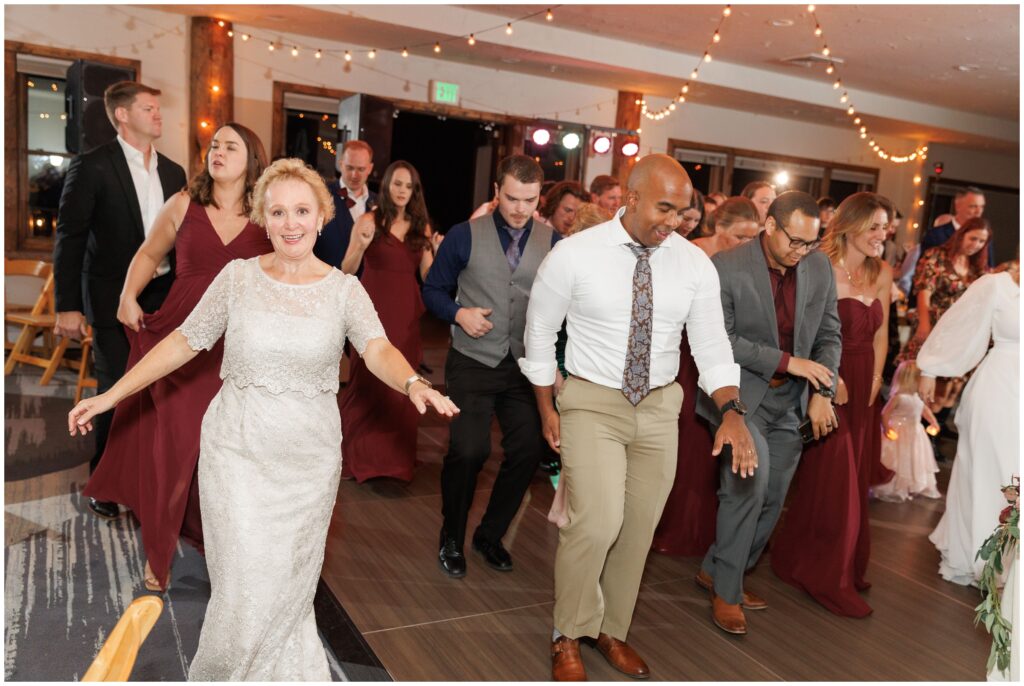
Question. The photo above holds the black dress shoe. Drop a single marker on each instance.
(104, 509)
(494, 555)
(450, 558)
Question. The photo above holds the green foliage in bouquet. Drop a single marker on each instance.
(1002, 541)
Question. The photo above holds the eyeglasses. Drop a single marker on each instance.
(797, 244)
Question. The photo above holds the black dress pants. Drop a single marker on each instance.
(481, 392)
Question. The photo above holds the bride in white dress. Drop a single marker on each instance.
(268, 464)
(988, 418)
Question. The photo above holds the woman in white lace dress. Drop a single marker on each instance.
(988, 450)
(268, 465)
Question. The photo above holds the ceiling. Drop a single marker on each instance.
(907, 52)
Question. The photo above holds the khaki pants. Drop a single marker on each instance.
(618, 462)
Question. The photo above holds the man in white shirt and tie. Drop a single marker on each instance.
(627, 287)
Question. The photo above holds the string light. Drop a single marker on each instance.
(245, 36)
(270, 47)
(405, 52)
(231, 34)
(550, 15)
(508, 28)
(295, 51)
(220, 24)
(845, 97)
(372, 54)
(437, 47)
(472, 39)
(215, 88)
(318, 54)
(717, 37)
(348, 56)
(727, 11)
(707, 57)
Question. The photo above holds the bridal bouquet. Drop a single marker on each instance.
(1002, 541)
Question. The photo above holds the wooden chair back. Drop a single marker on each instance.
(116, 658)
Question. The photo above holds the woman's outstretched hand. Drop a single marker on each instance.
(423, 397)
(80, 418)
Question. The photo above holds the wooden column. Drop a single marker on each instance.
(211, 64)
(627, 116)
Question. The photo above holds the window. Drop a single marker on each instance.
(47, 157)
(36, 159)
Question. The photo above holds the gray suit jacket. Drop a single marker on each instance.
(749, 310)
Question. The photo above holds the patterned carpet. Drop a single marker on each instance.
(68, 574)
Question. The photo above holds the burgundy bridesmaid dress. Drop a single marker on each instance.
(149, 464)
(378, 424)
(687, 525)
(823, 543)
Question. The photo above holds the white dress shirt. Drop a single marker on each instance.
(359, 209)
(148, 189)
(587, 279)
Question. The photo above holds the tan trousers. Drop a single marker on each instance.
(618, 462)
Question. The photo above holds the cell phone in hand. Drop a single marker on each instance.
(807, 431)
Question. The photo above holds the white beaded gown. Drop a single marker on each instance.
(988, 418)
(268, 465)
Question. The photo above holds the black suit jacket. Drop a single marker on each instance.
(99, 229)
(333, 241)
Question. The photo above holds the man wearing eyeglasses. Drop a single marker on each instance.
(779, 302)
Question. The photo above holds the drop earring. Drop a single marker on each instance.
(268, 235)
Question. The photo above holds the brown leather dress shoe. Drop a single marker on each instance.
(727, 617)
(622, 657)
(750, 600)
(566, 663)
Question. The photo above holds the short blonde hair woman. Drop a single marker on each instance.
(268, 466)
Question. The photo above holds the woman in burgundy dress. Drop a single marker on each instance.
(394, 244)
(823, 543)
(687, 525)
(149, 464)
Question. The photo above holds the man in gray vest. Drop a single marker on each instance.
(480, 283)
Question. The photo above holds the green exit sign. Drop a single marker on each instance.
(444, 93)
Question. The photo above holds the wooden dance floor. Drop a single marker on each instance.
(381, 565)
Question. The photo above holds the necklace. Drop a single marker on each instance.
(849, 276)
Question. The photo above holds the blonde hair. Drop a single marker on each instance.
(906, 378)
(854, 216)
(587, 215)
(284, 170)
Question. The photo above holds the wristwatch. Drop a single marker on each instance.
(736, 405)
(413, 379)
(826, 391)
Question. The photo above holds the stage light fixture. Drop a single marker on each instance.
(630, 149)
(571, 141)
(602, 144)
(541, 136)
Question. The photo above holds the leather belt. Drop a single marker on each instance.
(777, 381)
(656, 388)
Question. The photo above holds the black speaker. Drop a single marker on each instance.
(87, 122)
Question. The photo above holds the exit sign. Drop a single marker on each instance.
(444, 93)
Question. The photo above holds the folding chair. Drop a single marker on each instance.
(23, 287)
(39, 320)
(117, 656)
(84, 378)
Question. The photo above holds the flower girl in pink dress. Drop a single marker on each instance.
(906, 449)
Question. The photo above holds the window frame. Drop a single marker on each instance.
(18, 241)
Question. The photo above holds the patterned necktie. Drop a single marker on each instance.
(512, 254)
(343, 194)
(636, 377)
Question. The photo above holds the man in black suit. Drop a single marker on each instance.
(968, 203)
(351, 199)
(111, 196)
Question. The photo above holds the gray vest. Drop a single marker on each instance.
(487, 281)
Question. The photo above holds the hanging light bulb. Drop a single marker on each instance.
(508, 29)
(318, 54)
(295, 51)
(550, 15)
(372, 54)
(672, 107)
(348, 56)
(231, 34)
(727, 11)
(850, 110)
(220, 23)
(245, 36)
(472, 39)
(270, 47)
(857, 120)
(693, 74)
(810, 8)
(682, 98)
(437, 47)
(825, 51)
(817, 31)
(830, 69)
(836, 84)
(405, 52)
(716, 38)
(707, 57)
(686, 88)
